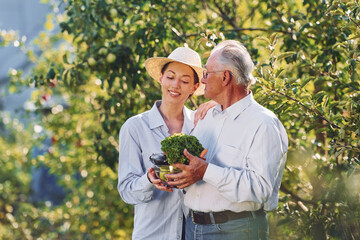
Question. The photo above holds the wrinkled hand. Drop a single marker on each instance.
(202, 110)
(157, 182)
(190, 173)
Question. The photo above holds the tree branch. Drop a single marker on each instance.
(205, 6)
(357, 25)
(301, 104)
(244, 29)
(239, 29)
(252, 13)
(349, 148)
(296, 197)
(224, 16)
(258, 29)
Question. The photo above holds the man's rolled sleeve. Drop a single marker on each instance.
(213, 174)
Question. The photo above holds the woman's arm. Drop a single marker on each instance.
(133, 184)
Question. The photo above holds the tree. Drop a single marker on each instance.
(307, 58)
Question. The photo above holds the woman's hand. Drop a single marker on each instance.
(202, 110)
(157, 182)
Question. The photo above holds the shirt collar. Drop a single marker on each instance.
(156, 120)
(188, 124)
(234, 110)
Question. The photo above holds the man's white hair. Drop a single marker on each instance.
(234, 57)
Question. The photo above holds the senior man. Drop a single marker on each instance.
(229, 193)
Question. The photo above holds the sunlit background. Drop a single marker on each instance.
(71, 72)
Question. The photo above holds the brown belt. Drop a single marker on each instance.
(222, 217)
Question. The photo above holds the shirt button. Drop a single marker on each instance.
(178, 237)
(180, 218)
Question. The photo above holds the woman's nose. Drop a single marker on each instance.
(176, 83)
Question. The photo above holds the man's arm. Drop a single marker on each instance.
(255, 182)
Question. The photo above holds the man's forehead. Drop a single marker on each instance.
(211, 60)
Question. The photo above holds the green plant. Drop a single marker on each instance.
(173, 146)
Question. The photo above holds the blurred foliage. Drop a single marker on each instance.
(89, 78)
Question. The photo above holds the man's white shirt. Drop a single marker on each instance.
(247, 147)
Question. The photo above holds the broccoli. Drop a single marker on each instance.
(173, 146)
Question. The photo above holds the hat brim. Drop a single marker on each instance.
(154, 66)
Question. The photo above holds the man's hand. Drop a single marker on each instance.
(157, 182)
(190, 173)
(202, 110)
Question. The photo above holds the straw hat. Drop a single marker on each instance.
(182, 55)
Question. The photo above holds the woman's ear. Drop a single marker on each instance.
(196, 85)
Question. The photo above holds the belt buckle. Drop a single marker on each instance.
(197, 217)
(192, 215)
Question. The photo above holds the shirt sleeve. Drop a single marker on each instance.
(255, 181)
(133, 184)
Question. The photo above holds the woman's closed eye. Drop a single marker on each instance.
(170, 75)
(185, 80)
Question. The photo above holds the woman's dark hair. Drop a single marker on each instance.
(196, 77)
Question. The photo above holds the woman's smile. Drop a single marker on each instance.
(174, 93)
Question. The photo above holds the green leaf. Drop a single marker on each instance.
(306, 81)
(295, 89)
(65, 58)
(353, 36)
(273, 38)
(50, 74)
(279, 72)
(285, 55)
(353, 63)
(264, 39)
(283, 221)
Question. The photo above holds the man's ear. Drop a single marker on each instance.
(226, 78)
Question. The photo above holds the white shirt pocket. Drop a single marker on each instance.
(229, 156)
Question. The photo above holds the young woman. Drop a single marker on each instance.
(158, 214)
